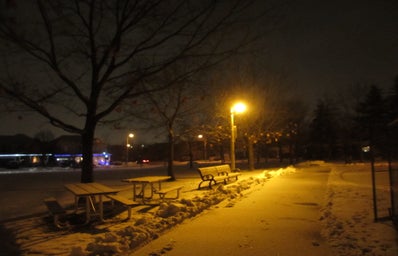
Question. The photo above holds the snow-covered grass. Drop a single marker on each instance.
(346, 218)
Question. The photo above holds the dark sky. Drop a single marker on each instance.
(322, 47)
(327, 45)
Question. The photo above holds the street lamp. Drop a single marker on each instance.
(200, 136)
(128, 146)
(236, 109)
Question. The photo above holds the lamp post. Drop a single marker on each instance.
(128, 146)
(200, 136)
(236, 109)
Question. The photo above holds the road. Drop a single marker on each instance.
(280, 218)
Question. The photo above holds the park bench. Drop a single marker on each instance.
(225, 169)
(162, 192)
(128, 203)
(57, 211)
(215, 174)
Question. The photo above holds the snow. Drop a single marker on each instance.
(346, 217)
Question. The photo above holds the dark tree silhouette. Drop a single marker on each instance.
(372, 118)
(75, 62)
(323, 132)
(392, 103)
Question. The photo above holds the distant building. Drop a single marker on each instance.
(21, 150)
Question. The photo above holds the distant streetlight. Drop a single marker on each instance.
(201, 137)
(128, 146)
(236, 109)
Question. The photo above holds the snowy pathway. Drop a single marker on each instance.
(279, 218)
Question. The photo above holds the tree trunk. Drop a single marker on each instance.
(221, 152)
(250, 153)
(170, 171)
(258, 151)
(190, 154)
(87, 164)
(266, 153)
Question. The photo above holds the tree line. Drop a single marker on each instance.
(346, 128)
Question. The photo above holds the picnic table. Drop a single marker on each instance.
(89, 191)
(140, 186)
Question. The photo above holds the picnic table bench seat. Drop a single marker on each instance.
(128, 203)
(215, 174)
(57, 211)
(162, 192)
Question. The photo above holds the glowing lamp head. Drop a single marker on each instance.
(238, 108)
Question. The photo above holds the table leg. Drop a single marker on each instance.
(143, 191)
(153, 189)
(92, 203)
(76, 203)
(134, 192)
(101, 208)
(88, 206)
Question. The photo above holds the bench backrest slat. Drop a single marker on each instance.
(213, 171)
(225, 168)
(207, 172)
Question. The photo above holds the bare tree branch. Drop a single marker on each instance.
(87, 58)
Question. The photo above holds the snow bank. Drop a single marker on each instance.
(281, 171)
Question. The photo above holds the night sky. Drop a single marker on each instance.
(322, 47)
(328, 45)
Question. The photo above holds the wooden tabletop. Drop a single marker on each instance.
(86, 189)
(147, 179)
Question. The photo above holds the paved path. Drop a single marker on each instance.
(279, 218)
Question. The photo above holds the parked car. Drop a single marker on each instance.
(142, 161)
(116, 162)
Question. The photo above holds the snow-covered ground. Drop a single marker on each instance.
(346, 217)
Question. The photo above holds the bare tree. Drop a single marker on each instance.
(172, 110)
(75, 62)
(265, 93)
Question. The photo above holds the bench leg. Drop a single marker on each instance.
(59, 224)
(199, 187)
(210, 181)
(129, 212)
(200, 184)
(215, 182)
(162, 196)
(127, 206)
